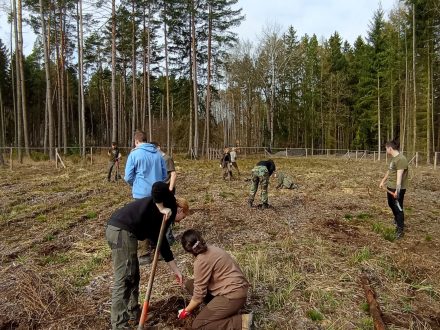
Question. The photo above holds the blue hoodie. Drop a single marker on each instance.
(145, 166)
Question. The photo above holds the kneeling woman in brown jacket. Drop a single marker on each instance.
(219, 282)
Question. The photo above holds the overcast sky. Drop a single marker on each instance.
(350, 18)
(322, 17)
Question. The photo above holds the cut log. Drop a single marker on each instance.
(375, 312)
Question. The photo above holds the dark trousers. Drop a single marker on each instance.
(399, 216)
(125, 294)
(220, 313)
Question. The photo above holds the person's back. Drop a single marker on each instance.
(145, 166)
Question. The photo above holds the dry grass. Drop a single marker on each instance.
(303, 257)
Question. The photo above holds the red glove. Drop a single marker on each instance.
(182, 314)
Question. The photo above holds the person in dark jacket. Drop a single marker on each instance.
(225, 163)
(114, 157)
(137, 221)
(260, 176)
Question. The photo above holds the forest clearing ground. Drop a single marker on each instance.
(303, 258)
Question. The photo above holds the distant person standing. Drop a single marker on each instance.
(113, 159)
(225, 163)
(260, 177)
(396, 179)
(145, 166)
(233, 155)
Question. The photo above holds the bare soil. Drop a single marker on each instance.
(303, 257)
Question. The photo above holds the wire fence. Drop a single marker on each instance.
(94, 154)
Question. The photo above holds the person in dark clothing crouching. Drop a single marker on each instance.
(137, 221)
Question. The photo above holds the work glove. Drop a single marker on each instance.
(182, 314)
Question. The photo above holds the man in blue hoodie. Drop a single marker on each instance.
(145, 166)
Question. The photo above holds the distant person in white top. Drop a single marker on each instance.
(233, 154)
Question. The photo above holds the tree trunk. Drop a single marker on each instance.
(18, 86)
(113, 88)
(81, 80)
(428, 110)
(208, 87)
(23, 90)
(62, 82)
(49, 110)
(379, 142)
(150, 116)
(133, 67)
(194, 68)
(167, 82)
(414, 80)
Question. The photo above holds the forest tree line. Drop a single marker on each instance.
(176, 69)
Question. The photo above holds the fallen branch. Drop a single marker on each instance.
(375, 312)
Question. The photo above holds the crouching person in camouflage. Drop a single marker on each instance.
(284, 181)
(260, 176)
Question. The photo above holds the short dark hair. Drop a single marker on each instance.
(393, 144)
(140, 136)
(193, 242)
(114, 143)
(154, 143)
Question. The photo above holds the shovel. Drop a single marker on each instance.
(396, 200)
(151, 279)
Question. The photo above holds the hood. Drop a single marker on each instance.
(147, 147)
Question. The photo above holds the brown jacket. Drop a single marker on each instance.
(217, 273)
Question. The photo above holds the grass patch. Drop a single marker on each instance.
(364, 216)
(49, 237)
(428, 238)
(56, 259)
(386, 232)
(365, 307)
(91, 215)
(361, 255)
(348, 217)
(83, 274)
(41, 218)
(315, 315)
(366, 324)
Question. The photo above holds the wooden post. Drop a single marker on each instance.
(56, 157)
(435, 160)
(307, 152)
(417, 158)
(328, 152)
(386, 157)
(91, 155)
(356, 154)
(374, 156)
(10, 159)
(286, 152)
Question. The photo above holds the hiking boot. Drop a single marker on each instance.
(265, 206)
(399, 233)
(246, 321)
(146, 259)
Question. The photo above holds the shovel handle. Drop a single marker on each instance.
(153, 272)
